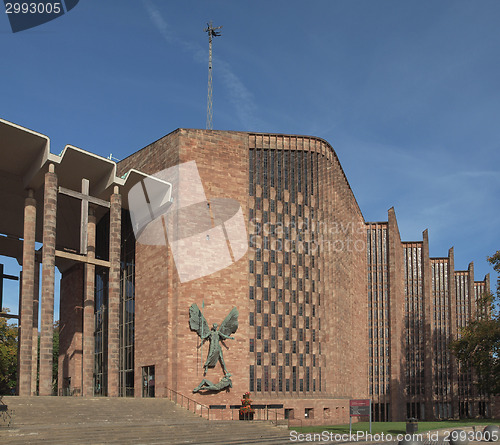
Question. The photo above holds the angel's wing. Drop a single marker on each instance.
(197, 321)
(230, 323)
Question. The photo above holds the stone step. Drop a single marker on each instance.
(77, 420)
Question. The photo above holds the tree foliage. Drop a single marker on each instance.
(495, 262)
(479, 343)
(8, 355)
(55, 356)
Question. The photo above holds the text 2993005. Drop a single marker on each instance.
(33, 8)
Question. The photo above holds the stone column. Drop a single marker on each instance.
(114, 293)
(472, 298)
(19, 331)
(487, 287)
(453, 333)
(36, 297)
(473, 396)
(88, 311)
(27, 293)
(397, 316)
(48, 275)
(429, 372)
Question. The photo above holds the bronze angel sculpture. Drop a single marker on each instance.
(198, 323)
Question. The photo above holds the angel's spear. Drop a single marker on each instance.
(201, 322)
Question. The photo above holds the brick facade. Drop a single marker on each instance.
(162, 302)
(348, 311)
(423, 308)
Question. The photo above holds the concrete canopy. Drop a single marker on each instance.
(24, 159)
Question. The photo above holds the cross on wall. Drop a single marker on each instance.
(84, 218)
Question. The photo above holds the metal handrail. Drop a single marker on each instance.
(291, 421)
(262, 415)
(6, 414)
(276, 415)
(192, 404)
(189, 402)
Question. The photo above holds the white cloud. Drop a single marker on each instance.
(158, 21)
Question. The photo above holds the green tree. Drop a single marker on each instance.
(479, 343)
(55, 356)
(8, 355)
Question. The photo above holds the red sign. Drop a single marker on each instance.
(360, 407)
(361, 402)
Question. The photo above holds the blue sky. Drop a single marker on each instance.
(406, 92)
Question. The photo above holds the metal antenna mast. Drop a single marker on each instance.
(212, 32)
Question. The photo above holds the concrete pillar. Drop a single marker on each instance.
(88, 311)
(114, 293)
(36, 297)
(27, 293)
(48, 275)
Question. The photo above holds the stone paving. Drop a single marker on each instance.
(96, 421)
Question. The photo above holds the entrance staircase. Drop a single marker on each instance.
(78, 420)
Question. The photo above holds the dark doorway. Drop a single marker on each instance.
(148, 381)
